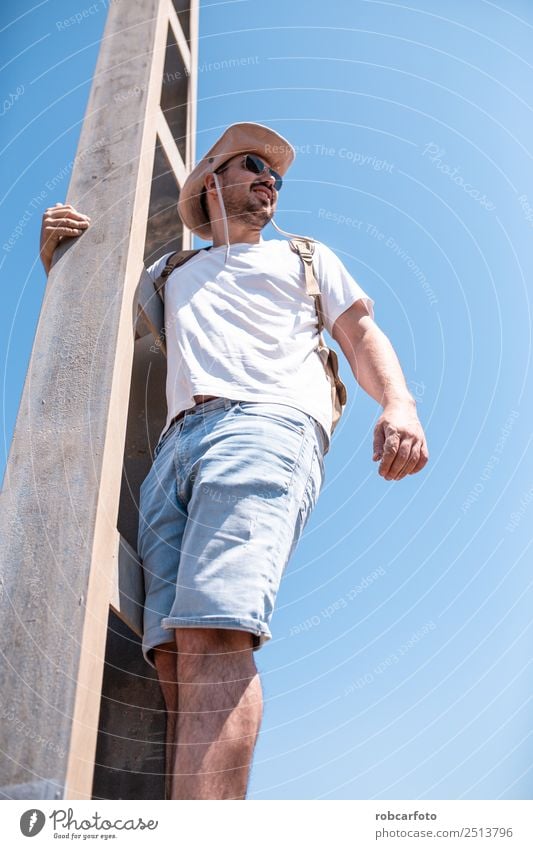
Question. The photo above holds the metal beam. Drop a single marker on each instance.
(171, 149)
(127, 592)
(177, 31)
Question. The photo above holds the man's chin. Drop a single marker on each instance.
(260, 216)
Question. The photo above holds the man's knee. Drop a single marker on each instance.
(208, 641)
(214, 654)
(165, 660)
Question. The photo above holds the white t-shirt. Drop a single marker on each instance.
(247, 330)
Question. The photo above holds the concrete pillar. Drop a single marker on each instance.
(60, 503)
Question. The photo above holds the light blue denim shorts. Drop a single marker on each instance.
(231, 488)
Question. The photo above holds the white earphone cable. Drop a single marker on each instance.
(286, 233)
(224, 217)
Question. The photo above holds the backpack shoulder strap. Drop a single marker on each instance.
(306, 248)
(174, 261)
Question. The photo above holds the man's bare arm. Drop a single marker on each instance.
(399, 440)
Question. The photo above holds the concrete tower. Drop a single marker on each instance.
(75, 688)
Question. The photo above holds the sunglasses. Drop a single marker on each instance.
(252, 163)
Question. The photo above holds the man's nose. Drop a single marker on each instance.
(266, 175)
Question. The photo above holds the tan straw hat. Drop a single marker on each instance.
(238, 138)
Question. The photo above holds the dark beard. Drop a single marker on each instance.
(252, 214)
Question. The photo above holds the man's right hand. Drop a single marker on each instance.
(59, 222)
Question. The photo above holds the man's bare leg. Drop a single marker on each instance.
(220, 711)
(166, 662)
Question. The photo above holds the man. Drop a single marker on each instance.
(239, 466)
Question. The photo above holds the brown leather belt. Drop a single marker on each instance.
(188, 410)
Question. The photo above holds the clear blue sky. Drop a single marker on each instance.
(401, 661)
